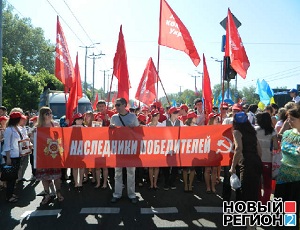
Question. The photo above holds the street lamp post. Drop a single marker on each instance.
(221, 69)
(94, 57)
(104, 71)
(196, 80)
(85, 62)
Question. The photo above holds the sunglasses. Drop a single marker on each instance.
(118, 105)
(48, 114)
(225, 108)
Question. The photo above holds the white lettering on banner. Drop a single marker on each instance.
(131, 147)
(87, 145)
(156, 147)
(175, 32)
(174, 28)
(150, 147)
(162, 147)
(106, 149)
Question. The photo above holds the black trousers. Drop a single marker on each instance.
(31, 159)
(10, 184)
(170, 174)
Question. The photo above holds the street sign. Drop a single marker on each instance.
(236, 22)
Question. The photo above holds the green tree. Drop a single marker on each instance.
(48, 80)
(249, 93)
(20, 88)
(25, 44)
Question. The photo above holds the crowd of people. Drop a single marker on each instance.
(256, 133)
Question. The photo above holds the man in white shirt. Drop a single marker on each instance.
(124, 118)
(293, 94)
(199, 111)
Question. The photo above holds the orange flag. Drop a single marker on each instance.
(75, 93)
(146, 91)
(63, 64)
(234, 48)
(96, 101)
(206, 89)
(121, 69)
(173, 33)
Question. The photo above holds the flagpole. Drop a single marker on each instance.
(158, 57)
(108, 95)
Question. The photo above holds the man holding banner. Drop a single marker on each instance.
(124, 118)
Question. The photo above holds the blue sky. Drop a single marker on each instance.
(270, 33)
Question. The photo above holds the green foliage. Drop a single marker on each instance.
(186, 97)
(45, 79)
(20, 88)
(249, 93)
(22, 43)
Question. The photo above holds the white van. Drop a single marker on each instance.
(56, 100)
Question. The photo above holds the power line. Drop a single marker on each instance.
(15, 9)
(284, 77)
(283, 74)
(78, 22)
(284, 71)
(65, 22)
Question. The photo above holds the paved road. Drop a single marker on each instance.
(91, 209)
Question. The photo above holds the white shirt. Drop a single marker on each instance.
(11, 138)
(164, 123)
(296, 99)
(227, 121)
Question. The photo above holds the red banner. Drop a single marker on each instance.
(76, 147)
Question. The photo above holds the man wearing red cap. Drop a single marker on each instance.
(146, 112)
(183, 112)
(170, 173)
(235, 109)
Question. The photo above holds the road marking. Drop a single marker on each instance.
(102, 210)
(209, 209)
(159, 210)
(33, 213)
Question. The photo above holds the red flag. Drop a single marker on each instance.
(234, 48)
(95, 102)
(206, 89)
(121, 69)
(63, 64)
(173, 33)
(146, 91)
(75, 93)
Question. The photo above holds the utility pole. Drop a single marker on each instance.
(196, 80)
(221, 69)
(104, 71)
(85, 63)
(94, 57)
